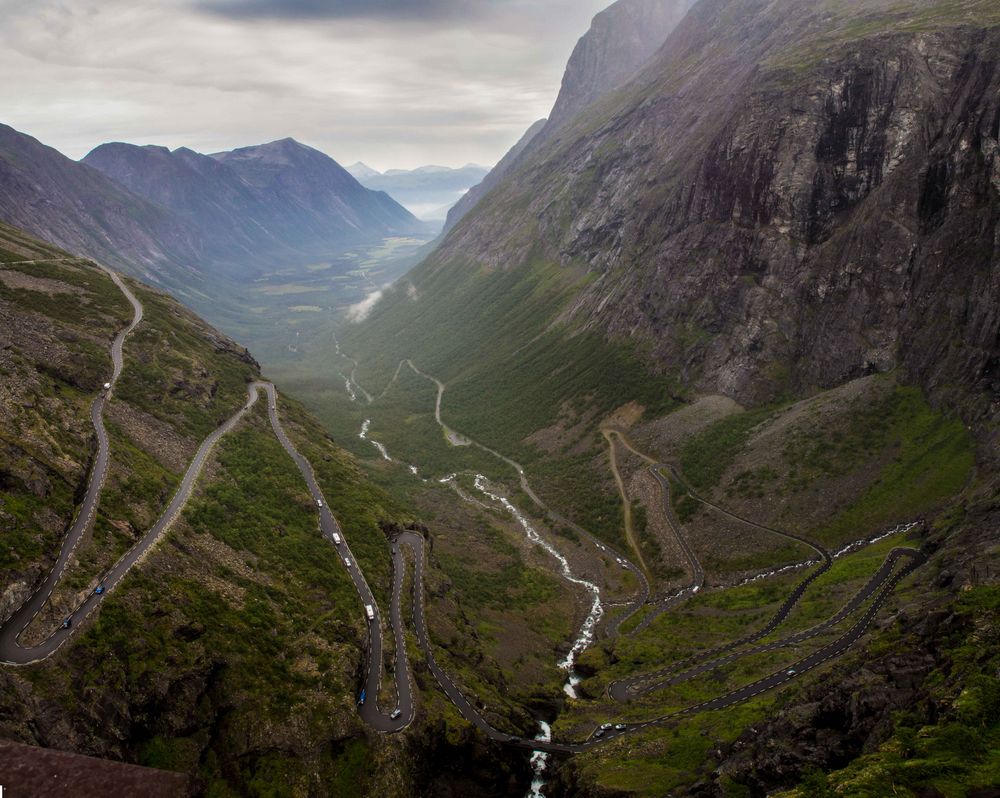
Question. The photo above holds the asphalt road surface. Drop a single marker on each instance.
(369, 710)
(641, 685)
(624, 689)
(11, 652)
(694, 565)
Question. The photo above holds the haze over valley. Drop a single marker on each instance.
(659, 457)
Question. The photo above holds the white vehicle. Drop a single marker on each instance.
(337, 539)
(319, 503)
(370, 612)
(107, 386)
(790, 671)
(395, 714)
(347, 561)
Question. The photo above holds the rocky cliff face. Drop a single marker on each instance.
(621, 39)
(793, 195)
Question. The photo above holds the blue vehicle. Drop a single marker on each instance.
(100, 589)
(361, 701)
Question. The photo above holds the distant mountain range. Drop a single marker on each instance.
(269, 198)
(428, 191)
(170, 217)
(84, 211)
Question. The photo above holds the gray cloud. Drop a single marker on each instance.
(380, 89)
(415, 10)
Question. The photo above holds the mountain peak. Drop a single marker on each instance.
(287, 143)
(269, 197)
(621, 39)
(360, 170)
(280, 151)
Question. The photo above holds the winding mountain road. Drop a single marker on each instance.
(11, 652)
(368, 710)
(694, 564)
(457, 438)
(627, 689)
(876, 591)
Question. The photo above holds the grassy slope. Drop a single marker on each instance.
(470, 331)
(659, 761)
(50, 376)
(921, 461)
(247, 604)
(919, 458)
(233, 651)
(497, 612)
(486, 335)
(179, 374)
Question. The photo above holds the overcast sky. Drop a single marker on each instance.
(395, 83)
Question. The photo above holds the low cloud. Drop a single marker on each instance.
(361, 310)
